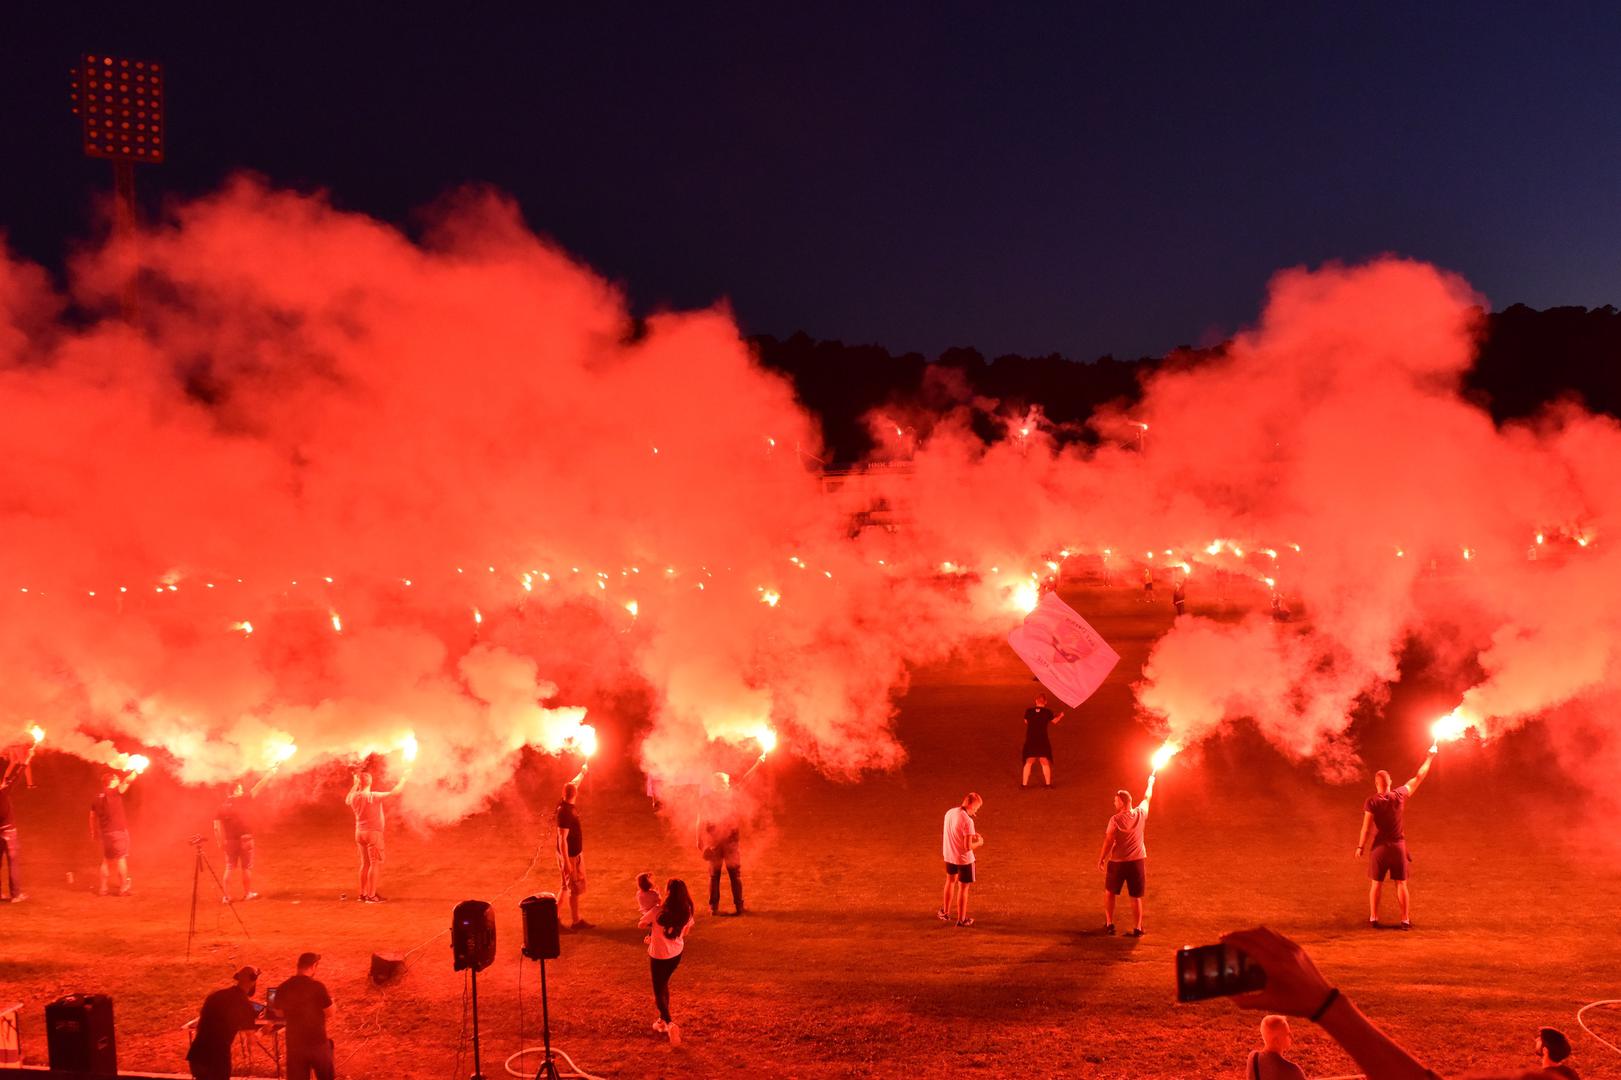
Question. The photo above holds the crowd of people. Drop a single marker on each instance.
(1294, 986)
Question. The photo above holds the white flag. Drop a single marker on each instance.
(1063, 651)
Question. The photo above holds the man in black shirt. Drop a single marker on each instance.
(306, 1006)
(1037, 745)
(12, 769)
(224, 1013)
(234, 834)
(571, 849)
(109, 825)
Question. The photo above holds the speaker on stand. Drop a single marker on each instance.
(472, 945)
(543, 941)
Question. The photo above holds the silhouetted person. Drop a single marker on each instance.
(12, 769)
(233, 831)
(1554, 1049)
(1037, 743)
(110, 825)
(369, 827)
(1268, 1063)
(224, 1013)
(571, 849)
(306, 1006)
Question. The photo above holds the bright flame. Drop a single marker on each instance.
(1163, 755)
(280, 752)
(585, 740)
(632, 607)
(409, 746)
(1214, 548)
(766, 738)
(478, 617)
(1271, 583)
(38, 733)
(1026, 596)
(770, 597)
(244, 626)
(1449, 728)
(337, 623)
(137, 763)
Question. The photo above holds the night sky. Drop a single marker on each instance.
(1086, 183)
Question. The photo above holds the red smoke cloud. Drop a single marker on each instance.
(434, 477)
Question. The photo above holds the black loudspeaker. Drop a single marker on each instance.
(472, 935)
(542, 936)
(79, 1034)
(386, 967)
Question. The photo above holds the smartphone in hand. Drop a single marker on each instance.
(1209, 971)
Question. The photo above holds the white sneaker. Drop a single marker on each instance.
(674, 1032)
(251, 896)
(660, 1026)
(225, 899)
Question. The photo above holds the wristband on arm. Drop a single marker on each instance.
(1328, 1002)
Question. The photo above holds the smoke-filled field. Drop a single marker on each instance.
(840, 968)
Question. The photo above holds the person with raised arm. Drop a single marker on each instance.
(1124, 858)
(571, 849)
(233, 831)
(369, 826)
(1382, 822)
(720, 835)
(110, 825)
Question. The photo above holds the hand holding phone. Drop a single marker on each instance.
(1292, 985)
(1208, 971)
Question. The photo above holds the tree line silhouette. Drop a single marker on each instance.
(1528, 359)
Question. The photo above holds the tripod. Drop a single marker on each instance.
(548, 1066)
(478, 1070)
(199, 864)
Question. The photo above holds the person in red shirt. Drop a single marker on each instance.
(1382, 820)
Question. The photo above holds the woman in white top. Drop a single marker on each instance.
(668, 925)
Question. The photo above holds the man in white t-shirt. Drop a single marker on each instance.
(958, 845)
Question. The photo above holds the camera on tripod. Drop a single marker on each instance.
(196, 840)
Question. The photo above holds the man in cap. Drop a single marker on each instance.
(1554, 1049)
(224, 1013)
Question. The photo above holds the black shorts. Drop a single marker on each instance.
(1131, 875)
(239, 852)
(115, 844)
(963, 872)
(1388, 859)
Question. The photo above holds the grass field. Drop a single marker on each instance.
(841, 968)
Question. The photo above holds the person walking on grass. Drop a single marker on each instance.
(1382, 820)
(1037, 745)
(1124, 858)
(667, 926)
(958, 844)
(13, 767)
(1268, 1063)
(369, 825)
(571, 849)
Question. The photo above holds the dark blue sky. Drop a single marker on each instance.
(1081, 182)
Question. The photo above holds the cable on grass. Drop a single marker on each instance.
(575, 1070)
(1583, 1023)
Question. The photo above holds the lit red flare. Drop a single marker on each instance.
(38, 733)
(280, 752)
(137, 763)
(1163, 756)
(409, 747)
(767, 739)
(1449, 728)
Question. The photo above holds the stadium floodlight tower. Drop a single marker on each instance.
(120, 104)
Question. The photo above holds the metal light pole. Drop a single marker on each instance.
(121, 105)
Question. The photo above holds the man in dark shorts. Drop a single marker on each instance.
(224, 1013)
(571, 849)
(234, 834)
(110, 826)
(1124, 858)
(12, 769)
(369, 824)
(1382, 819)
(720, 835)
(959, 840)
(1037, 745)
(306, 1007)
